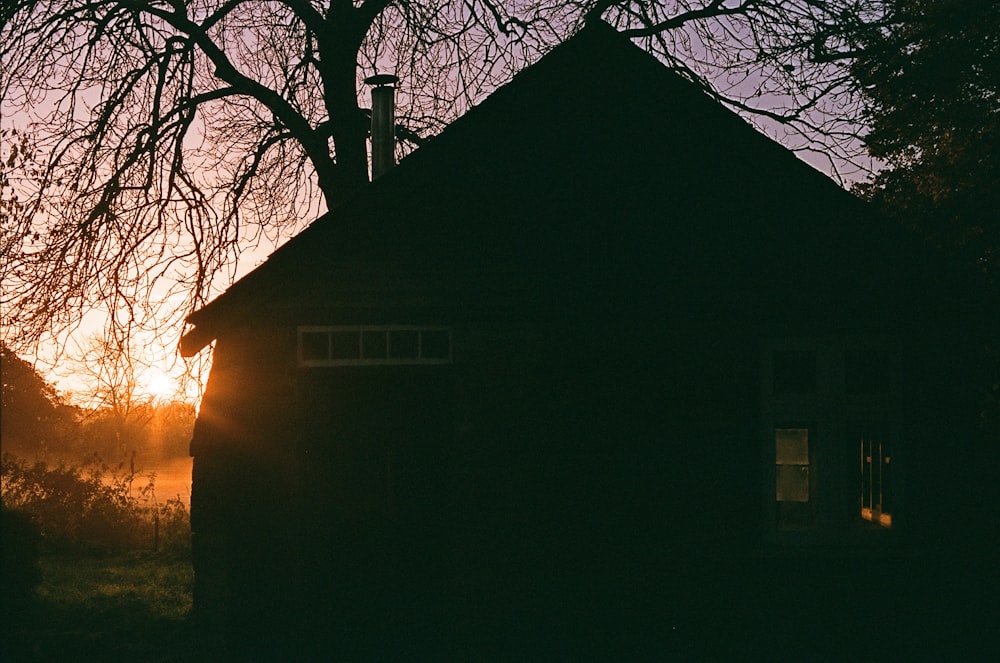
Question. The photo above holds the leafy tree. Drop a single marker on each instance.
(931, 82)
(173, 134)
(34, 419)
(16, 153)
(931, 77)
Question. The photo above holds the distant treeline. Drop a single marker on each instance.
(38, 424)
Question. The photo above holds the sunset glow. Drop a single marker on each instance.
(157, 384)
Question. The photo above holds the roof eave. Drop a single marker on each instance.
(195, 340)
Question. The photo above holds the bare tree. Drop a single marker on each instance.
(173, 134)
(107, 366)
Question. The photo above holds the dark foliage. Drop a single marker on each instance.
(35, 418)
(94, 508)
(931, 77)
(20, 572)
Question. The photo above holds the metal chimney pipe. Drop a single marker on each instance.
(383, 122)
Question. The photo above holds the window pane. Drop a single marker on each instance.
(345, 345)
(435, 344)
(792, 483)
(794, 372)
(403, 344)
(374, 344)
(315, 346)
(791, 446)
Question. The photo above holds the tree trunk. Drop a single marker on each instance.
(338, 46)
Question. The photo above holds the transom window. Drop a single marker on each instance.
(352, 345)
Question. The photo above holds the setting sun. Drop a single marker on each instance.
(158, 384)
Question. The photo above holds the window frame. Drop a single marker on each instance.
(361, 359)
(807, 508)
(831, 411)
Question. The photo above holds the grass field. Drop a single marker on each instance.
(136, 608)
(129, 607)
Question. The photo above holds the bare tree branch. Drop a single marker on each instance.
(171, 136)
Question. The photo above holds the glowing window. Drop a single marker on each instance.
(876, 474)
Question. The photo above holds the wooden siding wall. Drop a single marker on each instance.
(245, 507)
(566, 451)
(553, 469)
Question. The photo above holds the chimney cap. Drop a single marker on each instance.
(381, 80)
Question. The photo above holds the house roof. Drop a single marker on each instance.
(596, 150)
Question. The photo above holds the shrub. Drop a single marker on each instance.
(93, 507)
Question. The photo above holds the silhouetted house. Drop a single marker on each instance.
(598, 325)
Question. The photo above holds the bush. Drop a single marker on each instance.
(21, 573)
(93, 507)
